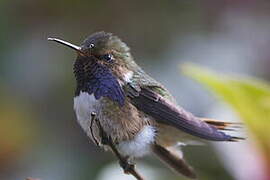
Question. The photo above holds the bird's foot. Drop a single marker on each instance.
(126, 165)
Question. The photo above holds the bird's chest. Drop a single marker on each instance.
(120, 122)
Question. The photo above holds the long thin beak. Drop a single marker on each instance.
(72, 46)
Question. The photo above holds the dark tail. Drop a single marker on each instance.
(173, 161)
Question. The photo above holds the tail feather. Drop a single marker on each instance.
(236, 139)
(173, 161)
(225, 126)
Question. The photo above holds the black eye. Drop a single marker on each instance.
(91, 45)
(107, 57)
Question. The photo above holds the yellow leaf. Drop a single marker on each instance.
(249, 97)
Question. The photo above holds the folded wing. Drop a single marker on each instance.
(164, 111)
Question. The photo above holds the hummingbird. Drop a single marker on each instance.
(137, 112)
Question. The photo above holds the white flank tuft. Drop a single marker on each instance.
(140, 145)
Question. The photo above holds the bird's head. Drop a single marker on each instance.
(103, 60)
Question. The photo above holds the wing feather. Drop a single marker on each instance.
(166, 112)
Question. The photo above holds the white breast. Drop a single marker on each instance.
(140, 145)
(84, 104)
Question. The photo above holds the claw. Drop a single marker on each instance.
(127, 167)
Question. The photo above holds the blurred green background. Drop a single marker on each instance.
(39, 135)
